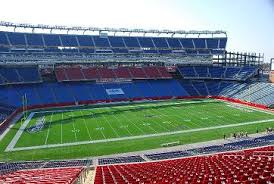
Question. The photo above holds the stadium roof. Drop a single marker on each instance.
(112, 30)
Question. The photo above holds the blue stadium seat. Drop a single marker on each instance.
(17, 39)
(202, 71)
(3, 39)
(222, 44)
(187, 71)
(62, 93)
(216, 72)
(101, 42)
(199, 43)
(35, 40)
(212, 43)
(29, 74)
(146, 42)
(116, 41)
(187, 43)
(45, 93)
(160, 42)
(69, 40)
(85, 41)
(9, 74)
(131, 42)
(98, 92)
(52, 40)
(174, 43)
(30, 93)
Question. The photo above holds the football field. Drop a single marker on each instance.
(60, 128)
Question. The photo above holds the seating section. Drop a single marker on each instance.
(78, 73)
(60, 43)
(216, 72)
(16, 74)
(235, 167)
(126, 159)
(5, 111)
(10, 167)
(60, 175)
(259, 92)
(52, 93)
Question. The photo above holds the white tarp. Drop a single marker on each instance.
(115, 91)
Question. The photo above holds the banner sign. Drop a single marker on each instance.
(115, 91)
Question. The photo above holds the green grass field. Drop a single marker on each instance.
(93, 131)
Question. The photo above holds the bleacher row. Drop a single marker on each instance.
(31, 74)
(54, 93)
(217, 72)
(258, 171)
(33, 42)
(47, 176)
(79, 73)
(19, 74)
(257, 92)
(240, 144)
(243, 167)
(9, 167)
(58, 93)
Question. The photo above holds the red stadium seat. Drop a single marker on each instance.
(58, 175)
(233, 167)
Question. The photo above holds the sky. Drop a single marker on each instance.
(248, 23)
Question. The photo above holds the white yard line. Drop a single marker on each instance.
(19, 133)
(130, 121)
(74, 130)
(158, 123)
(85, 124)
(11, 148)
(122, 124)
(46, 141)
(62, 128)
(106, 120)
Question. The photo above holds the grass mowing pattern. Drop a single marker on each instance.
(130, 120)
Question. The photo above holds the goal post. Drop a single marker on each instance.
(24, 106)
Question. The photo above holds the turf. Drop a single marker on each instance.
(102, 123)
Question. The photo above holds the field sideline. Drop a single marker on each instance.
(136, 126)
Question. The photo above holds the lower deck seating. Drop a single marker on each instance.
(126, 159)
(53, 93)
(235, 167)
(10, 167)
(57, 175)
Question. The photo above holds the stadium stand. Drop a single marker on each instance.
(78, 73)
(239, 167)
(67, 70)
(10, 167)
(11, 75)
(58, 43)
(128, 159)
(57, 175)
(215, 72)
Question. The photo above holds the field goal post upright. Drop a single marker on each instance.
(24, 106)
